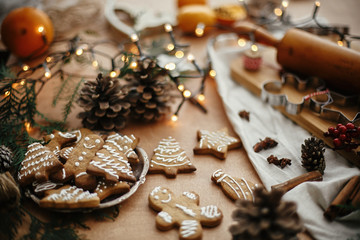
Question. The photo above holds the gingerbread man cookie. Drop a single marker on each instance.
(111, 163)
(58, 139)
(234, 188)
(78, 160)
(69, 197)
(216, 143)
(38, 164)
(170, 159)
(183, 211)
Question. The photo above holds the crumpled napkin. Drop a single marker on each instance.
(312, 198)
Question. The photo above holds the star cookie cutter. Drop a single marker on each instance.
(311, 89)
(328, 111)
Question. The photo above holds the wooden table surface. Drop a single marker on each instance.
(136, 220)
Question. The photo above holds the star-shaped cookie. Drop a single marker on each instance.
(216, 143)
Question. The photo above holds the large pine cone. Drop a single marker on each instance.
(312, 154)
(6, 158)
(267, 218)
(104, 103)
(149, 90)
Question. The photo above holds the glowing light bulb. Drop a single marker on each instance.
(187, 93)
(22, 83)
(201, 97)
(79, 51)
(317, 3)
(113, 74)
(174, 118)
(340, 43)
(41, 29)
(133, 64)
(168, 27)
(48, 59)
(47, 74)
(212, 73)
(170, 66)
(285, 3)
(15, 85)
(181, 87)
(134, 37)
(170, 47)
(7, 93)
(278, 12)
(27, 126)
(254, 48)
(199, 31)
(179, 54)
(241, 42)
(190, 57)
(25, 67)
(95, 64)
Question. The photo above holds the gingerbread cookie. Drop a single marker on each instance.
(106, 189)
(111, 163)
(56, 140)
(69, 197)
(234, 188)
(127, 145)
(216, 143)
(40, 188)
(183, 211)
(38, 164)
(170, 159)
(78, 160)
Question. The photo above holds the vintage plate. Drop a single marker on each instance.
(140, 170)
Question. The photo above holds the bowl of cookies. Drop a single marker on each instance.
(82, 170)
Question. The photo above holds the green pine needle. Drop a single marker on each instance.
(69, 104)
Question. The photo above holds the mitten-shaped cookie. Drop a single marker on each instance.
(38, 164)
(56, 140)
(184, 212)
(111, 163)
(77, 161)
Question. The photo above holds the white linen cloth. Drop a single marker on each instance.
(312, 198)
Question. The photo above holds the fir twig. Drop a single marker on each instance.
(69, 104)
(62, 87)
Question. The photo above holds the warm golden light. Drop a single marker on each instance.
(317, 3)
(212, 73)
(15, 85)
(95, 64)
(179, 54)
(48, 59)
(174, 118)
(285, 3)
(201, 97)
(79, 51)
(278, 12)
(170, 47)
(340, 43)
(22, 83)
(190, 57)
(7, 93)
(187, 93)
(168, 27)
(25, 67)
(27, 126)
(134, 37)
(181, 87)
(241, 42)
(254, 48)
(199, 32)
(170, 66)
(47, 74)
(40, 29)
(133, 64)
(113, 74)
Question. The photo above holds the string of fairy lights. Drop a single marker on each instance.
(123, 57)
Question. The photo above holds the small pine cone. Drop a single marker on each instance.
(312, 154)
(149, 91)
(6, 158)
(104, 103)
(266, 218)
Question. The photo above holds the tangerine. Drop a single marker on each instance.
(27, 32)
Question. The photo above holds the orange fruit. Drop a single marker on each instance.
(190, 16)
(230, 13)
(182, 3)
(27, 32)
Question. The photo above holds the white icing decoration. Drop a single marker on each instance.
(186, 210)
(71, 193)
(210, 211)
(155, 190)
(165, 216)
(156, 197)
(87, 138)
(83, 153)
(190, 195)
(97, 141)
(188, 228)
(170, 154)
(218, 139)
(67, 135)
(80, 174)
(167, 200)
(63, 173)
(126, 146)
(67, 151)
(81, 158)
(77, 164)
(52, 136)
(40, 187)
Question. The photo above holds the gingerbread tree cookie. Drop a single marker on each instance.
(126, 144)
(234, 188)
(183, 211)
(111, 163)
(69, 197)
(216, 143)
(77, 161)
(106, 189)
(39, 162)
(170, 159)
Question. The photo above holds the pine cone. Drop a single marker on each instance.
(266, 218)
(104, 103)
(149, 90)
(312, 154)
(6, 158)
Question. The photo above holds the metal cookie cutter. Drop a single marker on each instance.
(273, 92)
(331, 110)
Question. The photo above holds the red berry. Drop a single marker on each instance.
(339, 125)
(342, 137)
(342, 129)
(331, 130)
(336, 133)
(337, 142)
(350, 126)
(358, 130)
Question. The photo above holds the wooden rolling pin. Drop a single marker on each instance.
(307, 54)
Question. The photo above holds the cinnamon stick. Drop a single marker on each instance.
(290, 184)
(350, 189)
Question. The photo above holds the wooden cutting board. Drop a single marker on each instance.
(307, 118)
